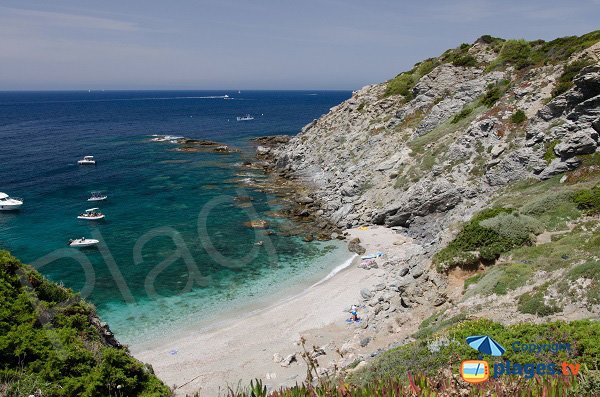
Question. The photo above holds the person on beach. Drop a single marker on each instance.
(354, 313)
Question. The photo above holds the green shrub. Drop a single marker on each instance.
(500, 279)
(534, 303)
(565, 81)
(66, 356)
(589, 270)
(465, 60)
(467, 110)
(448, 348)
(517, 53)
(588, 200)
(559, 50)
(426, 66)
(514, 227)
(494, 93)
(472, 280)
(549, 154)
(402, 85)
(486, 236)
(518, 117)
(547, 203)
(488, 39)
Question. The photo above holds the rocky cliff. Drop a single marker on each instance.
(433, 145)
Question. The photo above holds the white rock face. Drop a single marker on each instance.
(381, 159)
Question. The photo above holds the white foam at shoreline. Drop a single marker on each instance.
(234, 313)
(335, 270)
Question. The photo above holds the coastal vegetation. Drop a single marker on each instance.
(429, 366)
(52, 343)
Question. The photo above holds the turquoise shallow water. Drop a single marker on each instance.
(173, 246)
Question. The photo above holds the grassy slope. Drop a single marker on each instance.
(48, 343)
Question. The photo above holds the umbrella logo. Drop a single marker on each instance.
(486, 345)
(477, 371)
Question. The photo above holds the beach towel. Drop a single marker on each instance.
(372, 256)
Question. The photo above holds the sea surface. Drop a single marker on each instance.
(174, 250)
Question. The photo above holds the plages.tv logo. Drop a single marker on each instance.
(478, 371)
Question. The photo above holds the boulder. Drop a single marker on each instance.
(366, 293)
(304, 200)
(581, 142)
(257, 224)
(354, 246)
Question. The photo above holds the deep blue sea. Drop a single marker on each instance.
(174, 249)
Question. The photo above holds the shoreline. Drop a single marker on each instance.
(261, 304)
(210, 358)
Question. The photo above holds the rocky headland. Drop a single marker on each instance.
(422, 154)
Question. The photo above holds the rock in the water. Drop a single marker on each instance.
(257, 224)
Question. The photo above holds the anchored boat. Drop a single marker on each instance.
(87, 160)
(83, 242)
(97, 196)
(8, 203)
(91, 214)
(245, 118)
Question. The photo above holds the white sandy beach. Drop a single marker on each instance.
(239, 350)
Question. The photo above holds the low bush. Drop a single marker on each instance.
(518, 117)
(467, 110)
(465, 60)
(494, 92)
(514, 227)
(517, 53)
(522, 54)
(546, 203)
(591, 272)
(588, 200)
(447, 348)
(549, 154)
(403, 83)
(565, 81)
(534, 302)
(486, 236)
(48, 343)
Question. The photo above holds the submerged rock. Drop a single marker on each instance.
(257, 224)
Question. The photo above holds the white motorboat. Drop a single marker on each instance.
(97, 196)
(92, 214)
(87, 160)
(8, 203)
(245, 118)
(83, 242)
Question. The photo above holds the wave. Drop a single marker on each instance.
(336, 270)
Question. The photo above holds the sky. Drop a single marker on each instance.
(260, 44)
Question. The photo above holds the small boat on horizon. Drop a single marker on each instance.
(97, 196)
(87, 160)
(83, 242)
(245, 118)
(91, 214)
(8, 203)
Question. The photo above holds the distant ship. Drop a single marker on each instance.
(245, 118)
